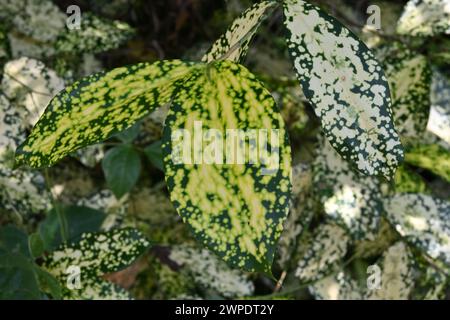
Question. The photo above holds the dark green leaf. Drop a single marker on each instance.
(154, 154)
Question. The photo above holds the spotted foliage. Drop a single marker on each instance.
(423, 221)
(233, 44)
(323, 251)
(345, 194)
(95, 107)
(347, 87)
(234, 205)
(397, 280)
(94, 35)
(336, 287)
(439, 121)
(425, 18)
(427, 156)
(96, 254)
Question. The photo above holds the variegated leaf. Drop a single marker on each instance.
(336, 287)
(233, 44)
(234, 198)
(383, 239)
(12, 130)
(96, 289)
(423, 221)
(210, 272)
(439, 121)
(325, 249)
(425, 18)
(94, 35)
(397, 279)
(432, 157)
(94, 108)
(345, 193)
(409, 77)
(97, 253)
(346, 86)
(407, 181)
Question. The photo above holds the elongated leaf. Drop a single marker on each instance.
(233, 206)
(344, 194)
(336, 287)
(439, 121)
(97, 253)
(325, 249)
(409, 77)
(425, 18)
(431, 157)
(396, 275)
(233, 44)
(94, 108)
(423, 221)
(346, 86)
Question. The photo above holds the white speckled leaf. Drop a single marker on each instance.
(336, 287)
(409, 77)
(347, 87)
(425, 18)
(324, 250)
(12, 131)
(234, 207)
(349, 198)
(239, 34)
(423, 221)
(210, 272)
(397, 279)
(439, 121)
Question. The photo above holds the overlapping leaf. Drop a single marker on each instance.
(324, 250)
(95, 107)
(96, 254)
(233, 44)
(346, 86)
(344, 194)
(425, 18)
(439, 122)
(432, 157)
(407, 181)
(336, 287)
(397, 279)
(235, 207)
(423, 221)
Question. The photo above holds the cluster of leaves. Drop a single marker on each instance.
(370, 149)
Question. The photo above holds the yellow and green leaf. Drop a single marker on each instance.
(347, 87)
(236, 208)
(96, 107)
(233, 44)
(431, 157)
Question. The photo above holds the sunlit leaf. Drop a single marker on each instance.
(423, 221)
(94, 108)
(346, 86)
(233, 44)
(425, 18)
(439, 122)
(431, 157)
(407, 181)
(336, 287)
(233, 206)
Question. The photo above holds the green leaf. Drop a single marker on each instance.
(128, 135)
(345, 194)
(233, 44)
(407, 181)
(397, 278)
(423, 221)
(409, 76)
(79, 220)
(431, 157)
(97, 254)
(322, 252)
(237, 210)
(94, 35)
(97, 289)
(346, 85)
(425, 18)
(96, 107)
(48, 283)
(154, 154)
(14, 240)
(35, 245)
(122, 167)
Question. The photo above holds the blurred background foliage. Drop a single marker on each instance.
(119, 183)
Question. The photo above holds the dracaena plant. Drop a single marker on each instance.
(234, 210)
(359, 196)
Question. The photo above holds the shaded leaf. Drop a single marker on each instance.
(235, 207)
(407, 181)
(346, 86)
(155, 155)
(431, 157)
(35, 245)
(336, 287)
